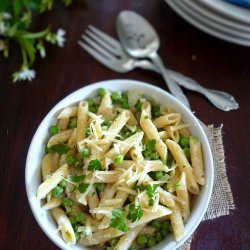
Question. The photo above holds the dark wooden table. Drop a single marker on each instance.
(212, 62)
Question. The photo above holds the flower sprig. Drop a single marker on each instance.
(15, 23)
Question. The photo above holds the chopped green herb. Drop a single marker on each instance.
(77, 235)
(133, 247)
(92, 109)
(158, 175)
(100, 186)
(71, 159)
(138, 106)
(118, 221)
(48, 150)
(85, 153)
(61, 148)
(73, 123)
(106, 122)
(82, 187)
(118, 159)
(77, 178)
(87, 131)
(154, 156)
(184, 142)
(146, 117)
(72, 220)
(142, 240)
(94, 165)
(135, 213)
(57, 191)
(53, 130)
(131, 198)
(151, 193)
(158, 236)
(137, 187)
(101, 92)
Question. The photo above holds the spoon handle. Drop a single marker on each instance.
(173, 87)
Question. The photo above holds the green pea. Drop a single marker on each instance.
(101, 92)
(87, 131)
(80, 217)
(142, 240)
(91, 102)
(63, 184)
(57, 191)
(158, 237)
(53, 130)
(118, 159)
(67, 202)
(154, 156)
(115, 96)
(156, 224)
(186, 152)
(114, 242)
(71, 159)
(124, 104)
(73, 123)
(132, 248)
(151, 241)
(77, 235)
(100, 187)
(85, 153)
(92, 109)
(165, 225)
(158, 175)
(184, 142)
(72, 220)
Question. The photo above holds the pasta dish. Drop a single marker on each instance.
(120, 171)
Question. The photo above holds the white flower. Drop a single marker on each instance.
(3, 28)
(60, 39)
(7, 15)
(42, 52)
(24, 74)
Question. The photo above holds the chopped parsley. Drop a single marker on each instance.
(119, 221)
(135, 213)
(82, 187)
(77, 178)
(94, 165)
(61, 148)
(150, 190)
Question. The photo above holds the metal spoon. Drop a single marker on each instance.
(140, 40)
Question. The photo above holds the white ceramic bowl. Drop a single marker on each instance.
(36, 152)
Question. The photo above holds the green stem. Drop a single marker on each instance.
(24, 55)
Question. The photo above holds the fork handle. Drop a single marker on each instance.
(174, 88)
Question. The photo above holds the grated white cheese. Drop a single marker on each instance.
(96, 117)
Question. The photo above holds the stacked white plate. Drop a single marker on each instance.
(216, 17)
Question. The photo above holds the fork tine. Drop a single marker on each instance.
(102, 42)
(115, 44)
(105, 61)
(98, 47)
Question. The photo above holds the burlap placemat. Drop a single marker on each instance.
(222, 200)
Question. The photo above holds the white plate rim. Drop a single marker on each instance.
(217, 17)
(235, 12)
(200, 25)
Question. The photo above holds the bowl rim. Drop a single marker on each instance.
(208, 188)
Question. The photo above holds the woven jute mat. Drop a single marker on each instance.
(221, 202)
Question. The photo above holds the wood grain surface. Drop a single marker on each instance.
(212, 62)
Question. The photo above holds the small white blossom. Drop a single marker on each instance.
(42, 52)
(7, 15)
(3, 28)
(24, 74)
(60, 39)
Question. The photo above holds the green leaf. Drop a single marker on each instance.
(35, 35)
(150, 190)
(135, 213)
(5, 5)
(17, 7)
(60, 148)
(118, 221)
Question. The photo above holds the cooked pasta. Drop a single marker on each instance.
(117, 176)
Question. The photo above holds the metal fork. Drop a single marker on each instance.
(110, 53)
